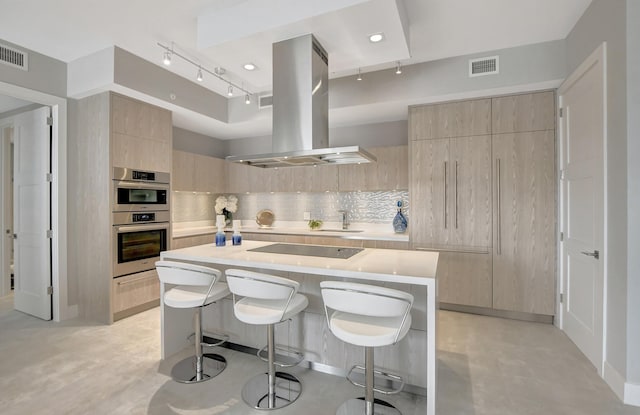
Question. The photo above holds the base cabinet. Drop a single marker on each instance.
(134, 293)
(465, 278)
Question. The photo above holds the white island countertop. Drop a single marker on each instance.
(391, 265)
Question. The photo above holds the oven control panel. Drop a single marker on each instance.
(143, 217)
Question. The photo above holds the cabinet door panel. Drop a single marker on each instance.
(470, 198)
(526, 112)
(524, 259)
(183, 174)
(453, 119)
(465, 278)
(429, 185)
(238, 177)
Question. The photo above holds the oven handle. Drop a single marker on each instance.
(136, 185)
(138, 228)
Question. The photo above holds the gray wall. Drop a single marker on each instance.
(605, 20)
(141, 75)
(436, 80)
(191, 142)
(633, 189)
(393, 133)
(45, 74)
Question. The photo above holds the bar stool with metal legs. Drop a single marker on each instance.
(197, 287)
(267, 300)
(368, 316)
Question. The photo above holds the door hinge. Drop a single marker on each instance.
(562, 174)
(561, 298)
(49, 290)
(50, 177)
(560, 112)
(49, 233)
(561, 236)
(49, 120)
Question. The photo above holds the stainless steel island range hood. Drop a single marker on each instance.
(301, 110)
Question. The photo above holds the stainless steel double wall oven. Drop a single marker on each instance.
(140, 219)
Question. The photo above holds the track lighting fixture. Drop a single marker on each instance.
(247, 99)
(398, 68)
(359, 78)
(218, 72)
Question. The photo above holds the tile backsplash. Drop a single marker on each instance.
(367, 207)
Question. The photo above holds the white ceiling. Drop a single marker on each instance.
(229, 33)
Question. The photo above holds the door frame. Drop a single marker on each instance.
(61, 308)
(5, 150)
(599, 54)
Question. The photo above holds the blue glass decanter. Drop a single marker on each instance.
(399, 221)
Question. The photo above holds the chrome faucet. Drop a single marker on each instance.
(345, 219)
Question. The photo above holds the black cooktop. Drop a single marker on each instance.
(309, 250)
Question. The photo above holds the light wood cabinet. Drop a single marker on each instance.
(427, 193)
(238, 177)
(389, 172)
(465, 278)
(451, 119)
(522, 113)
(524, 255)
(482, 189)
(110, 130)
(141, 134)
(198, 173)
(187, 241)
(134, 293)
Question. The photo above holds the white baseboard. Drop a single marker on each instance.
(632, 394)
(627, 392)
(614, 380)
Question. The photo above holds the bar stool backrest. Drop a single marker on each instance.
(364, 299)
(257, 285)
(182, 273)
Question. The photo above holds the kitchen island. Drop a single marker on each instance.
(412, 271)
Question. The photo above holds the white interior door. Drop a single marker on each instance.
(32, 213)
(582, 129)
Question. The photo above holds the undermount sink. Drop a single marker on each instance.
(340, 230)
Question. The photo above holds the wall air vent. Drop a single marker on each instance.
(265, 101)
(14, 57)
(484, 66)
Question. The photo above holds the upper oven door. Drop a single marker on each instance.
(130, 196)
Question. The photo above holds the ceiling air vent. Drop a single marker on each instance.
(265, 101)
(484, 66)
(14, 57)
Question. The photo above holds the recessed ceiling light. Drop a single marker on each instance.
(376, 37)
(249, 66)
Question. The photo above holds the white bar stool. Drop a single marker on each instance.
(197, 287)
(267, 300)
(368, 316)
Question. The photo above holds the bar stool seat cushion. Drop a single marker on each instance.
(368, 331)
(191, 296)
(267, 311)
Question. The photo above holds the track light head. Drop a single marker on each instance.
(199, 77)
(359, 78)
(166, 58)
(247, 99)
(398, 68)
(230, 91)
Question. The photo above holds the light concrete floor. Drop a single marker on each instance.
(486, 366)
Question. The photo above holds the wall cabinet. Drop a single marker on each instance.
(390, 172)
(141, 135)
(198, 173)
(482, 188)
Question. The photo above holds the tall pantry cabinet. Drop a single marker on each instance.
(482, 188)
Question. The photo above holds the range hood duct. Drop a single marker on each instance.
(301, 110)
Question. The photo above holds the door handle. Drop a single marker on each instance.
(595, 254)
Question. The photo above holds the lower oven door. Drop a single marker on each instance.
(136, 248)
